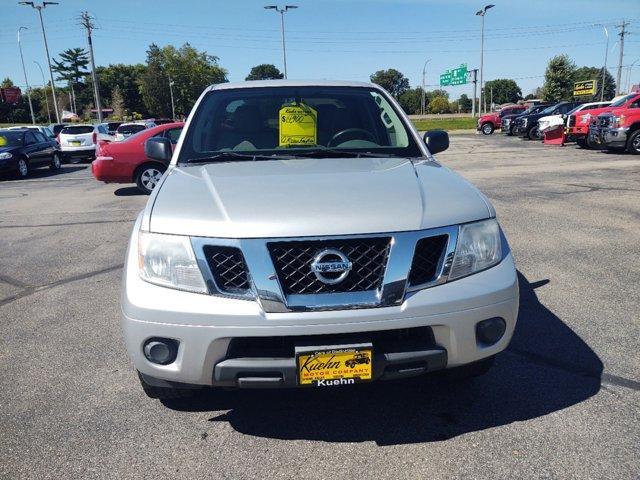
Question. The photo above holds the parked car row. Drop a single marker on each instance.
(610, 125)
(23, 149)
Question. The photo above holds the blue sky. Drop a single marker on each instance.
(335, 39)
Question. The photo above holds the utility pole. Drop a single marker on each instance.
(622, 33)
(424, 86)
(44, 90)
(475, 84)
(87, 22)
(46, 49)
(604, 69)
(482, 13)
(33, 117)
(282, 11)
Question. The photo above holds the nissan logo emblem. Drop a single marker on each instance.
(331, 266)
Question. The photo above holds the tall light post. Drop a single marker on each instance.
(44, 90)
(424, 86)
(24, 70)
(604, 69)
(282, 11)
(482, 13)
(629, 74)
(46, 49)
(173, 108)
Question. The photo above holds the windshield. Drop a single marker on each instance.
(130, 129)
(80, 129)
(11, 139)
(548, 110)
(292, 121)
(623, 100)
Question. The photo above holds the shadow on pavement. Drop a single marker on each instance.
(128, 192)
(44, 172)
(546, 368)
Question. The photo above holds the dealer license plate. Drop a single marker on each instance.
(334, 365)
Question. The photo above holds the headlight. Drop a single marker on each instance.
(169, 261)
(585, 118)
(479, 247)
(506, 121)
(615, 121)
(524, 122)
(5, 155)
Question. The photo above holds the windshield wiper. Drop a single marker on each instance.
(235, 156)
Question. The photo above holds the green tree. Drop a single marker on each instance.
(126, 78)
(392, 81)
(558, 79)
(117, 104)
(72, 65)
(502, 90)
(411, 101)
(190, 70)
(595, 73)
(6, 83)
(265, 71)
(439, 105)
(465, 103)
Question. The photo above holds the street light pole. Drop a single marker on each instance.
(482, 13)
(282, 11)
(604, 69)
(173, 109)
(46, 49)
(44, 90)
(629, 68)
(424, 86)
(24, 70)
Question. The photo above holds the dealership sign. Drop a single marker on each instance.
(586, 87)
(456, 76)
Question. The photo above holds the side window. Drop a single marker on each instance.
(29, 139)
(635, 104)
(173, 134)
(39, 137)
(49, 132)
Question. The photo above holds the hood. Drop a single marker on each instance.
(312, 197)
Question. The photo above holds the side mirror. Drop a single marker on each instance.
(437, 140)
(157, 148)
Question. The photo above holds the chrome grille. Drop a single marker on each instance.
(292, 261)
(228, 268)
(429, 251)
(604, 121)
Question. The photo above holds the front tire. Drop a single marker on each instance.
(148, 177)
(23, 168)
(56, 163)
(582, 142)
(487, 128)
(534, 134)
(633, 144)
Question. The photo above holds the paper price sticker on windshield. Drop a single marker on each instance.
(298, 125)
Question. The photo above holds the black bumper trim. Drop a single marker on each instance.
(257, 372)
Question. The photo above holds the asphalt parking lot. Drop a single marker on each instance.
(562, 402)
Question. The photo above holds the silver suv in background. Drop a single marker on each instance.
(304, 235)
(80, 141)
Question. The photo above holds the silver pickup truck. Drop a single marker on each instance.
(305, 236)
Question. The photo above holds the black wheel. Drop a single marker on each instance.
(487, 128)
(592, 145)
(633, 144)
(148, 177)
(510, 131)
(23, 168)
(55, 163)
(162, 393)
(582, 142)
(534, 133)
(470, 370)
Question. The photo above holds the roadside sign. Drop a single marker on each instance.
(455, 76)
(586, 87)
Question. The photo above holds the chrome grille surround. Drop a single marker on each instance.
(266, 287)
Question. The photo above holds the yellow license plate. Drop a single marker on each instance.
(334, 367)
(75, 144)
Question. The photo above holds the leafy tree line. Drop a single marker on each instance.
(561, 73)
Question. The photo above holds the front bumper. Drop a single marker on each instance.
(205, 325)
(614, 137)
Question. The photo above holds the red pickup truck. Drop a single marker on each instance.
(619, 129)
(489, 122)
(583, 128)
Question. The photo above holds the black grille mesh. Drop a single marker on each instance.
(228, 268)
(292, 261)
(426, 258)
